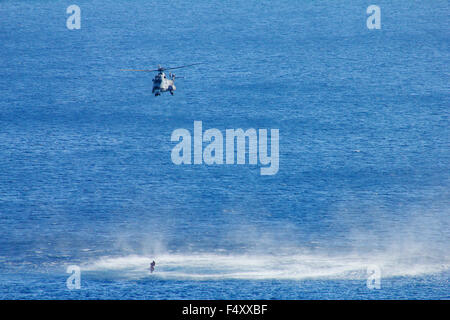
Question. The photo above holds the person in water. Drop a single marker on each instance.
(152, 266)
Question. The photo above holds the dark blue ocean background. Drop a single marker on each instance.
(86, 176)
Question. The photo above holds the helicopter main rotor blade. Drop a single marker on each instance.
(188, 65)
(160, 69)
(138, 70)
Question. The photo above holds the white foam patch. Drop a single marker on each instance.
(258, 267)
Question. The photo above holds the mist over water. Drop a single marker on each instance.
(413, 245)
(290, 266)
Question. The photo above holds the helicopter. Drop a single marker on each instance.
(162, 83)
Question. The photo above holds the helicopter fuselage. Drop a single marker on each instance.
(162, 84)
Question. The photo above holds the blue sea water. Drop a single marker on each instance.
(86, 176)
